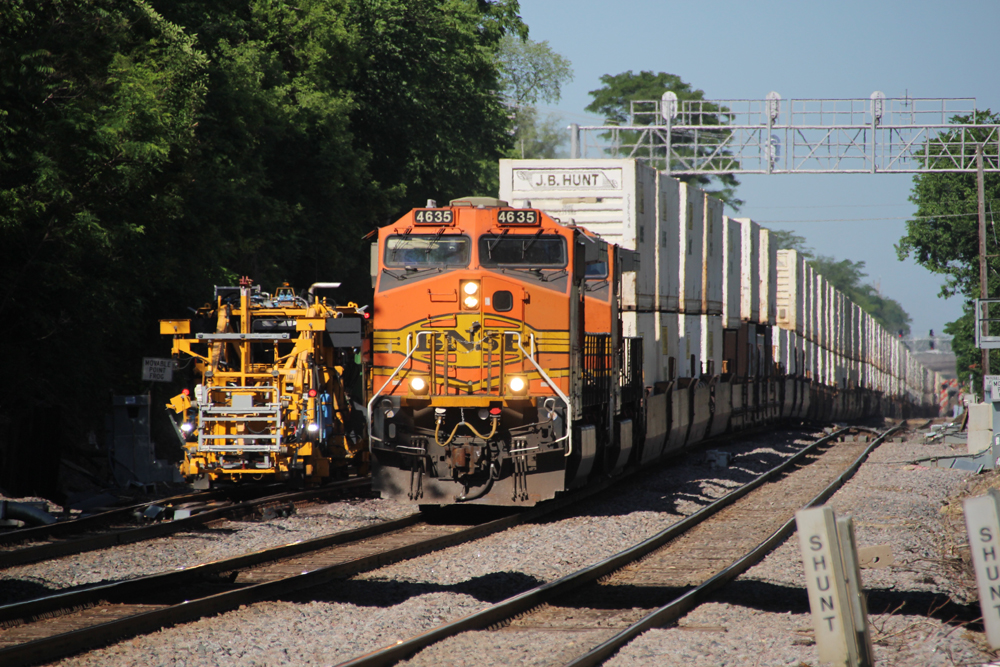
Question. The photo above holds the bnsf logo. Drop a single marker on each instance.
(473, 343)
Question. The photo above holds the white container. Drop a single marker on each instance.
(779, 347)
(733, 272)
(767, 271)
(644, 325)
(668, 352)
(713, 257)
(689, 345)
(809, 304)
(615, 199)
(750, 293)
(789, 296)
(711, 344)
(668, 243)
(691, 238)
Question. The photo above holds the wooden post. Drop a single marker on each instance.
(859, 606)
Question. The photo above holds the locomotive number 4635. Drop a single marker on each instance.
(521, 217)
(433, 215)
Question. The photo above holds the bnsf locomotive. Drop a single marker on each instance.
(499, 371)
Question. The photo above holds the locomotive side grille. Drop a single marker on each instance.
(597, 368)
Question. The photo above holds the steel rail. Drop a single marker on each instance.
(527, 600)
(91, 594)
(88, 522)
(674, 610)
(128, 536)
(51, 648)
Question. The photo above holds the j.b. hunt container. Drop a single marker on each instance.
(677, 230)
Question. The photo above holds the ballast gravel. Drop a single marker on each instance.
(762, 619)
(223, 539)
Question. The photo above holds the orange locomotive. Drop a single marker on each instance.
(499, 372)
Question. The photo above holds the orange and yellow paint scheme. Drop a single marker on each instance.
(272, 399)
(479, 371)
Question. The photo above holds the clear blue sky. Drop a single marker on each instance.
(802, 49)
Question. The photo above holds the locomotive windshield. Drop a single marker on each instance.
(547, 251)
(427, 251)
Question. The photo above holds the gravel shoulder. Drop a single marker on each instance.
(915, 609)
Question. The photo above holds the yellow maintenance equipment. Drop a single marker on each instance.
(279, 393)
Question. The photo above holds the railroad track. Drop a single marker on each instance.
(57, 625)
(654, 583)
(65, 623)
(63, 539)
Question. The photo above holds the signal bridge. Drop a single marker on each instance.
(776, 136)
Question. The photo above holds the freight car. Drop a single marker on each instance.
(610, 317)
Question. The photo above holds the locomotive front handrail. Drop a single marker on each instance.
(378, 393)
(555, 388)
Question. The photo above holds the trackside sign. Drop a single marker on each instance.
(157, 370)
(982, 520)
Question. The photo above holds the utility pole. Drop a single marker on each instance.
(983, 277)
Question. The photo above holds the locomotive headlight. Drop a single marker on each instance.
(312, 428)
(187, 427)
(418, 385)
(517, 385)
(470, 288)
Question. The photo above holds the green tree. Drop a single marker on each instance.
(280, 191)
(788, 240)
(326, 118)
(613, 101)
(146, 156)
(98, 123)
(539, 137)
(943, 236)
(429, 113)
(531, 72)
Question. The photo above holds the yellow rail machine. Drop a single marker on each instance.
(279, 393)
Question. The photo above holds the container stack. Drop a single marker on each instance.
(713, 297)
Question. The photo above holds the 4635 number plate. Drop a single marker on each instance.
(433, 216)
(517, 217)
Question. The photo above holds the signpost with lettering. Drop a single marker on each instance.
(982, 520)
(157, 370)
(834, 618)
